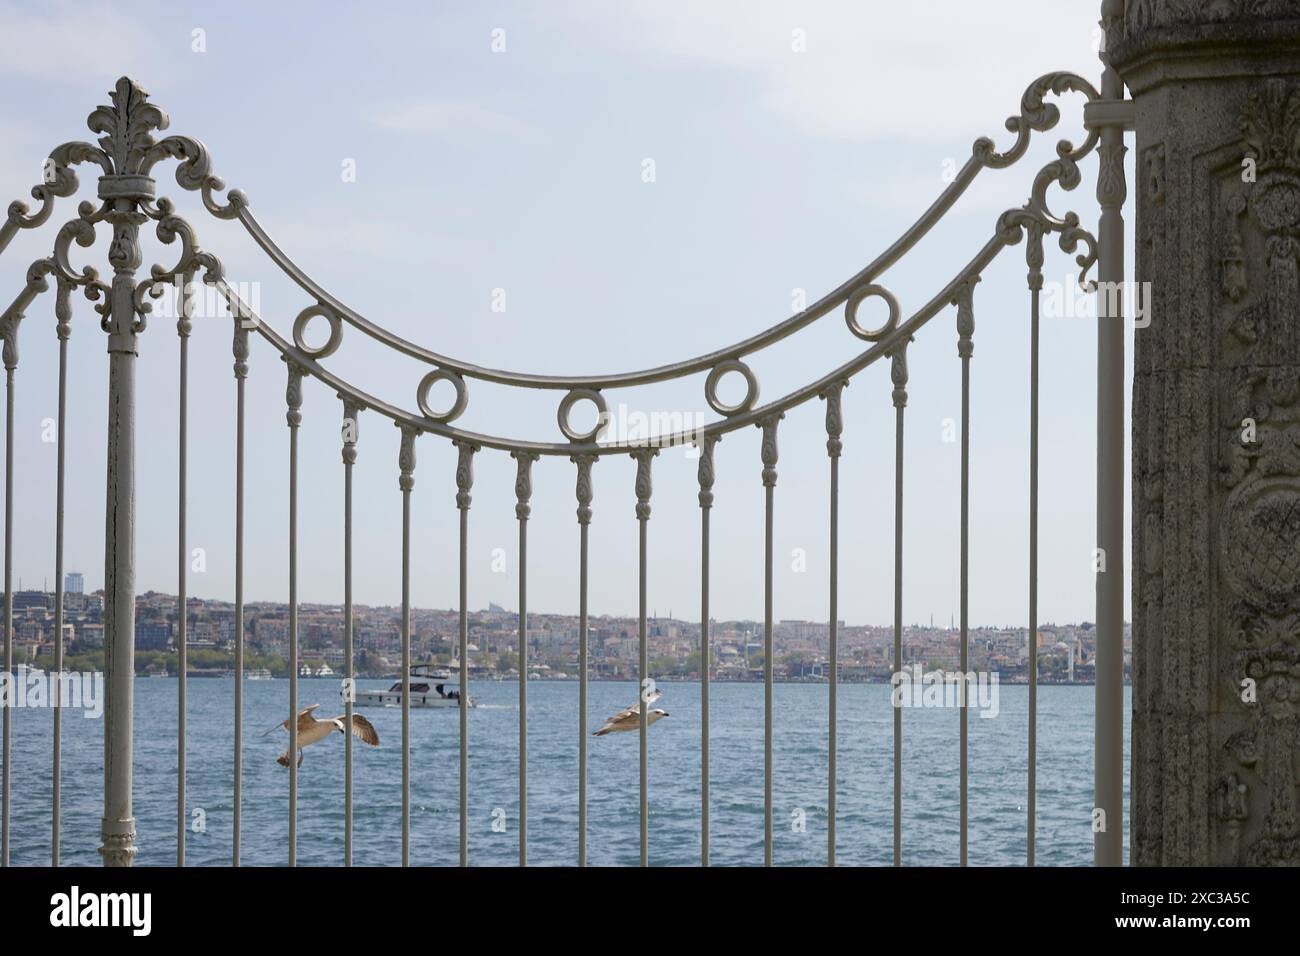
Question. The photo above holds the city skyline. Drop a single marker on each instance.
(653, 613)
(800, 647)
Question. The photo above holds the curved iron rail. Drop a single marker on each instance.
(194, 172)
(1035, 115)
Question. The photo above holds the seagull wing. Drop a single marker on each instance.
(305, 719)
(635, 709)
(623, 715)
(363, 728)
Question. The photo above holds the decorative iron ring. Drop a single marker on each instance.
(851, 312)
(300, 329)
(566, 406)
(711, 387)
(458, 406)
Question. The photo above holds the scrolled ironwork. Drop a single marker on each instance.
(60, 182)
(1036, 115)
(172, 227)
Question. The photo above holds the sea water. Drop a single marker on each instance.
(864, 829)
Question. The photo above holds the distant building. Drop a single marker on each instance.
(74, 582)
(23, 600)
(152, 635)
(91, 635)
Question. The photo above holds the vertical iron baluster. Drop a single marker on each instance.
(406, 463)
(705, 476)
(351, 431)
(240, 351)
(183, 328)
(769, 456)
(523, 493)
(898, 375)
(965, 347)
(643, 457)
(293, 397)
(63, 313)
(464, 482)
(583, 491)
(834, 428)
(1034, 258)
(1108, 659)
(123, 324)
(11, 364)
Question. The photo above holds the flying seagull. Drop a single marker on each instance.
(313, 730)
(630, 719)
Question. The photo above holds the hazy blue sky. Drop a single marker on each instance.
(776, 170)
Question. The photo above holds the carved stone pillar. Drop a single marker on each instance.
(1216, 430)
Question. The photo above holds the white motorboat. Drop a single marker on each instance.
(428, 685)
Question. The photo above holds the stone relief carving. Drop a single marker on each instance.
(1144, 14)
(1259, 534)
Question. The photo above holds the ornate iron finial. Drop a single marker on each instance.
(706, 469)
(351, 429)
(1034, 254)
(965, 317)
(769, 450)
(464, 472)
(239, 348)
(188, 294)
(834, 417)
(293, 392)
(898, 372)
(584, 461)
(9, 332)
(406, 457)
(523, 482)
(63, 309)
(644, 487)
(128, 126)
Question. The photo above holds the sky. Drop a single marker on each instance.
(428, 163)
